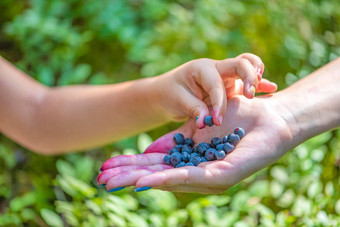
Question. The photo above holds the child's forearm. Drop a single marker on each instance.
(55, 120)
(313, 103)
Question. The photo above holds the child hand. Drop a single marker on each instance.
(191, 87)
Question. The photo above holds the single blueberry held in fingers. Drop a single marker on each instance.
(166, 159)
(202, 147)
(190, 164)
(228, 147)
(179, 138)
(219, 147)
(215, 141)
(187, 149)
(195, 160)
(185, 156)
(189, 142)
(240, 132)
(181, 164)
(173, 150)
(175, 158)
(220, 155)
(210, 154)
(233, 138)
(208, 120)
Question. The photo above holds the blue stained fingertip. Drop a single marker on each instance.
(142, 189)
(115, 189)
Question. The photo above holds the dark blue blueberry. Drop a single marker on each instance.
(195, 160)
(233, 138)
(185, 156)
(210, 154)
(187, 149)
(215, 141)
(181, 164)
(178, 147)
(166, 159)
(240, 132)
(225, 139)
(203, 159)
(179, 138)
(219, 147)
(220, 155)
(208, 120)
(190, 164)
(193, 155)
(189, 142)
(194, 150)
(202, 147)
(228, 147)
(175, 158)
(173, 150)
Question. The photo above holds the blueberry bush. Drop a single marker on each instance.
(99, 42)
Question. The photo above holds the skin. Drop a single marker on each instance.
(63, 119)
(274, 125)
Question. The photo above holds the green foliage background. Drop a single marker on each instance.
(102, 41)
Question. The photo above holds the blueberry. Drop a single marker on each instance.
(187, 149)
(208, 121)
(240, 132)
(210, 154)
(185, 156)
(202, 147)
(219, 147)
(220, 155)
(215, 141)
(189, 142)
(181, 164)
(190, 164)
(173, 150)
(195, 160)
(179, 147)
(193, 155)
(175, 158)
(194, 150)
(166, 159)
(179, 138)
(233, 138)
(225, 139)
(203, 159)
(228, 147)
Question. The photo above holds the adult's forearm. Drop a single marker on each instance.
(312, 105)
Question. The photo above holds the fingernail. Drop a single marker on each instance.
(196, 119)
(259, 72)
(220, 118)
(115, 189)
(102, 185)
(142, 189)
(100, 170)
(252, 90)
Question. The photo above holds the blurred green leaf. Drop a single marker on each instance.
(51, 218)
(143, 142)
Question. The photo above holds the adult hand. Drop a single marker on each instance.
(267, 138)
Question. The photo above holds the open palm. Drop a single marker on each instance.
(265, 142)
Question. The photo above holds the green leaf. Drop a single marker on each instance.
(51, 218)
(143, 142)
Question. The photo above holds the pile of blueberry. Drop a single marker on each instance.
(185, 154)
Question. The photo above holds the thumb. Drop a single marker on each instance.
(166, 142)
